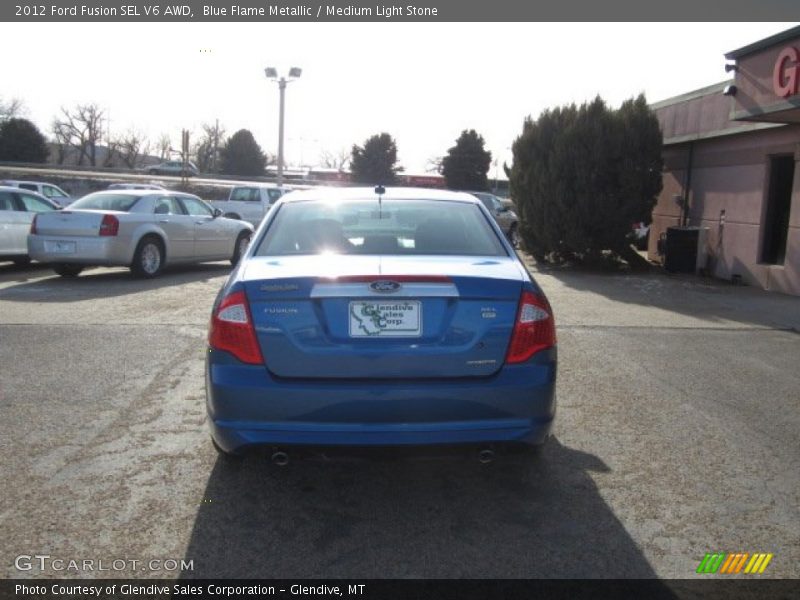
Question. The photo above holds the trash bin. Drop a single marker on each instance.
(685, 249)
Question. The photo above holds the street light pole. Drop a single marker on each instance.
(272, 74)
(282, 87)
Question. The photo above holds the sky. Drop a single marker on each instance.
(423, 83)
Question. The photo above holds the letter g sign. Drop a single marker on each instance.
(785, 74)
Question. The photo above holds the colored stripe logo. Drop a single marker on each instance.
(734, 563)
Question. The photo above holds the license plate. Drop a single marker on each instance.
(397, 318)
(59, 247)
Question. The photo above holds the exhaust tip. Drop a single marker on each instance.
(280, 458)
(485, 456)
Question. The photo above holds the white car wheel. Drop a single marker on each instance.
(148, 258)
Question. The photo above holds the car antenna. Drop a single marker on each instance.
(380, 190)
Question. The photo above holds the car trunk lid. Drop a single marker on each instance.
(85, 223)
(383, 317)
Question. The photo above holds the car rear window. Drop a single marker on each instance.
(105, 201)
(393, 227)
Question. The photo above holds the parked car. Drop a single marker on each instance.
(135, 186)
(142, 229)
(17, 209)
(249, 202)
(48, 190)
(173, 167)
(503, 214)
(358, 319)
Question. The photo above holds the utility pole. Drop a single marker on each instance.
(216, 147)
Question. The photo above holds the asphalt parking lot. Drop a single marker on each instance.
(677, 435)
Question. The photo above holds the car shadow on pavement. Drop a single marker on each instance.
(519, 517)
(101, 282)
(10, 271)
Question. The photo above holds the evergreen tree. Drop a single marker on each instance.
(241, 155)
(376, 161)
(466, 164)
(582, 175)
(21, 141)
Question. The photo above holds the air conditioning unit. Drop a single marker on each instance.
(685, 249)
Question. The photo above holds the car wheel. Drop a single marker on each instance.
(23, 261)
(148, 260)
(153, 171)
(232, 216)
(513, 236)
(67, 270)
(241, 247)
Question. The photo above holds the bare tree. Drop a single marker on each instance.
(206, 151)
(434, 164)
(112, 152)
(131, 147)
(10, 109)
(164, 146)
(339, 160)
(61, 139)
(82, 129)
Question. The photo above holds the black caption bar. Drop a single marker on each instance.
(388, 589)
(401, 10)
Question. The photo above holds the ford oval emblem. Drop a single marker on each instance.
(384, 286)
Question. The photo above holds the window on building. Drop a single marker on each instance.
(776, 216)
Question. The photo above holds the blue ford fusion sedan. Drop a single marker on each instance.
(380, 317)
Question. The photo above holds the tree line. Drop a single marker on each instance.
(80, 135)
(580, 175)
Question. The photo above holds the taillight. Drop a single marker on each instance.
(534, 330)
(232, 329)
(109, 225)
(33, 225)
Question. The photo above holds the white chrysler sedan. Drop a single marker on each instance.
(141, 229)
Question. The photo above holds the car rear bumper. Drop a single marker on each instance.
(247, 406)
(88, 250)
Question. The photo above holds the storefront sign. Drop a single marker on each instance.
(786, 74)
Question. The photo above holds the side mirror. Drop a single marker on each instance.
(217, 212)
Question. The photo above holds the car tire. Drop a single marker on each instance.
(23, 261)
(66, 270)
(513, 236)
(148, 260)
(153, 171)
(240, 247)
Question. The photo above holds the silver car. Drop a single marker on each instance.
(135, 186)
(17, 209)
(505, 216)
(142, 229)
(174, 167)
